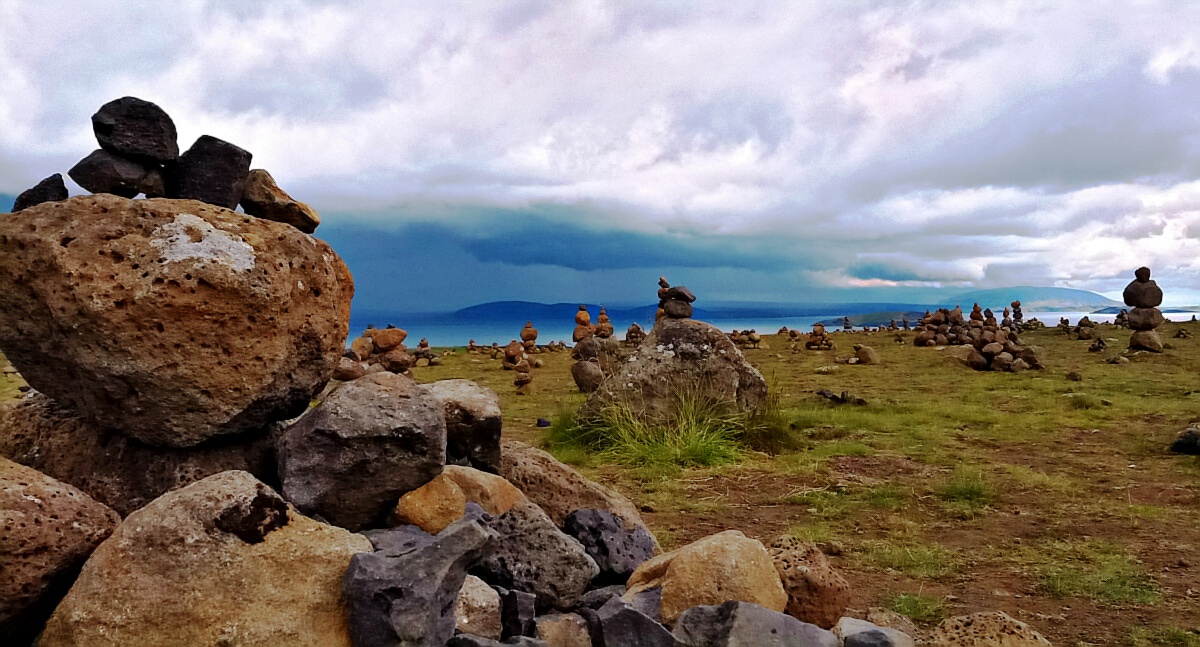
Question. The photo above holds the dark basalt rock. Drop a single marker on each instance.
(517, 612)
(106, 172)
(681, 293)
(617, 551)
(734, 624)
(676, 309)
(131, 127)
(265, 512)
(620, 625)
(51, 189)
(212, 171)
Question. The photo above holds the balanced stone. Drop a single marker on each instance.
(105, 172)
(137, 129)
(212, 171)
(51, 189)
(1142, 292)
(262, 198)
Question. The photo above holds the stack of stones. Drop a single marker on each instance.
(746, 339)
(674, 303)
(1144, 296)
(583, 325)
(1122, 319)
(139, 155)
(517, 361)
(818, 339)
(634, 335)
(1018, 317)
(1085, 330)
(529, 336)
(604, 327)
(994, 347)
(376, 350)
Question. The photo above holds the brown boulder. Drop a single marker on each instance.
(1142, 292)
(49, 529)
(120, 472)
(477, 609)
(588, 376)
(223, 561)
(1146, 340)
(386, 339)
(557, 488)
(817, 594)
(713, 570)
(262, 198)
(866, 355)
(396, 360)
(1145, 318)
(363, 347)
(348, 369)
(170, 320)
(444, 500)
(985, 629)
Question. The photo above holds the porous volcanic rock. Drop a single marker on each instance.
(48, 530)
(51, 189)
(132, 127)
(366, 444)
(681, 354)
(120, 472)
(170, 320)
(104, 172)
(477, 609)
(212, 171)
(223, 561)
(617, 551)
(473, 423)
(710, 571)
(559, 489)
(262, 198)
(817, 594)
(985, 629)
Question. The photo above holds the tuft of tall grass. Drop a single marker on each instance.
(917, 607)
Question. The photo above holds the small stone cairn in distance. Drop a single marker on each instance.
(675, 303)
(1018, 318)
(1144, 296)
(529, 336)
(818, 339)
(604, 327)
(376, 347)
(994, 347)
(583, 325)
(634, 335)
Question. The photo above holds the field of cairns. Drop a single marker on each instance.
(195, 449)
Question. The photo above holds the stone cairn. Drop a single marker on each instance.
(604, 327)
(634, 334)
(583, 325)
(376, 350)
(1018, 317)
(675, 303)
(1085, 330)
(516, 359)
(818, 339)
(1122, 319)
(993, 347)
(1144, 296)
(745, 339)
(596, 351)
(139, 155)
(529, 336)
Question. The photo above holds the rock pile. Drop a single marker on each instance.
(1144, 296)
(993, 347)
(529, 336)
(1085, 330)
(583, 325)
(1122, 319)
(139, 155)
(1018, 317)
(818, 339)
(604, 327)
(634, 335)
(376, 347)
(746, 339)
(675, 303)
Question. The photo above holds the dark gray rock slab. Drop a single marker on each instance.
(742, 624)
(131, 127)
(620, 625)
(617, 551)
(212, 171)
(51, 189)
(105, 172)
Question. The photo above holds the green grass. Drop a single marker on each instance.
(1165, 636)
(913, 558)
(917, 607)
(1094, 569)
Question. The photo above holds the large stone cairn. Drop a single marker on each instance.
(139, 155)
(994, 347)
(674, 302)
(1144, 296)
(529, 336)
(376, 350)
(1018, 317)
(604, 326)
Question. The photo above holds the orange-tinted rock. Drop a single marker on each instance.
(197, 321)
(262, 198)
(386, 339)
(817, 594)
(529, 333)
(985, 629)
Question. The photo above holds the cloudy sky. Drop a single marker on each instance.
(462, 152)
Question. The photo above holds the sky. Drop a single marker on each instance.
(572, 151)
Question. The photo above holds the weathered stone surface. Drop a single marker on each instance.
(473, 423)
(1146, 340)
(534, 556)
(1188, 440)
(681, 293)
(985, 629)
(369, 442)
(47, 531)
(681, 354)
(405, 592)
(620, 625)
(588, 375)
(517, 613)
(467, 640)
(742, 624)
(866, 355)
(557, 488)
(1142, 292)
(443, 500)
(1145, 318)
(397, 360)
(51, 189)
(212, 171)
(135, 128)
(713, 570)
(477, 610)
(348, 370)
(817, 594)
(224, 556)
(104, 172)
(616, 551)
(120, 472)
(597, 598)
(385, 339)
(563, 630)
(676, 309)
(262, 198)
(199, 321)
(861, 633)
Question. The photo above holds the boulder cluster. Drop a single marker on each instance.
(993, 346)
(818, 339)
(1144, 296)
(745, 339)
(139, 155)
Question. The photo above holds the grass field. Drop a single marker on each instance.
(949, 491)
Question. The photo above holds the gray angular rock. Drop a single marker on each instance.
(597, 598)
(51, 189)
(616, 551)
(404, 592)
(620, 625)
(473, 423)
(861, 633)
(536, 557)
(369, 442)
(467, 640)
(681, 293)
(742, 624)
(212, 171)
(1146, 340)
(105, 172)
(588, 375)
(676, 309)
(138, 129)
(518, 610)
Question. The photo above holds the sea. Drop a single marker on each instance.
(446, 331)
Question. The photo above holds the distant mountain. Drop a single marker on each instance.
(6, 202)
(1033, 299)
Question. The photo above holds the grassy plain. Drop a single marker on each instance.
(949, 491)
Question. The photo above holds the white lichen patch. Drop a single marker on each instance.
(192, 238)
